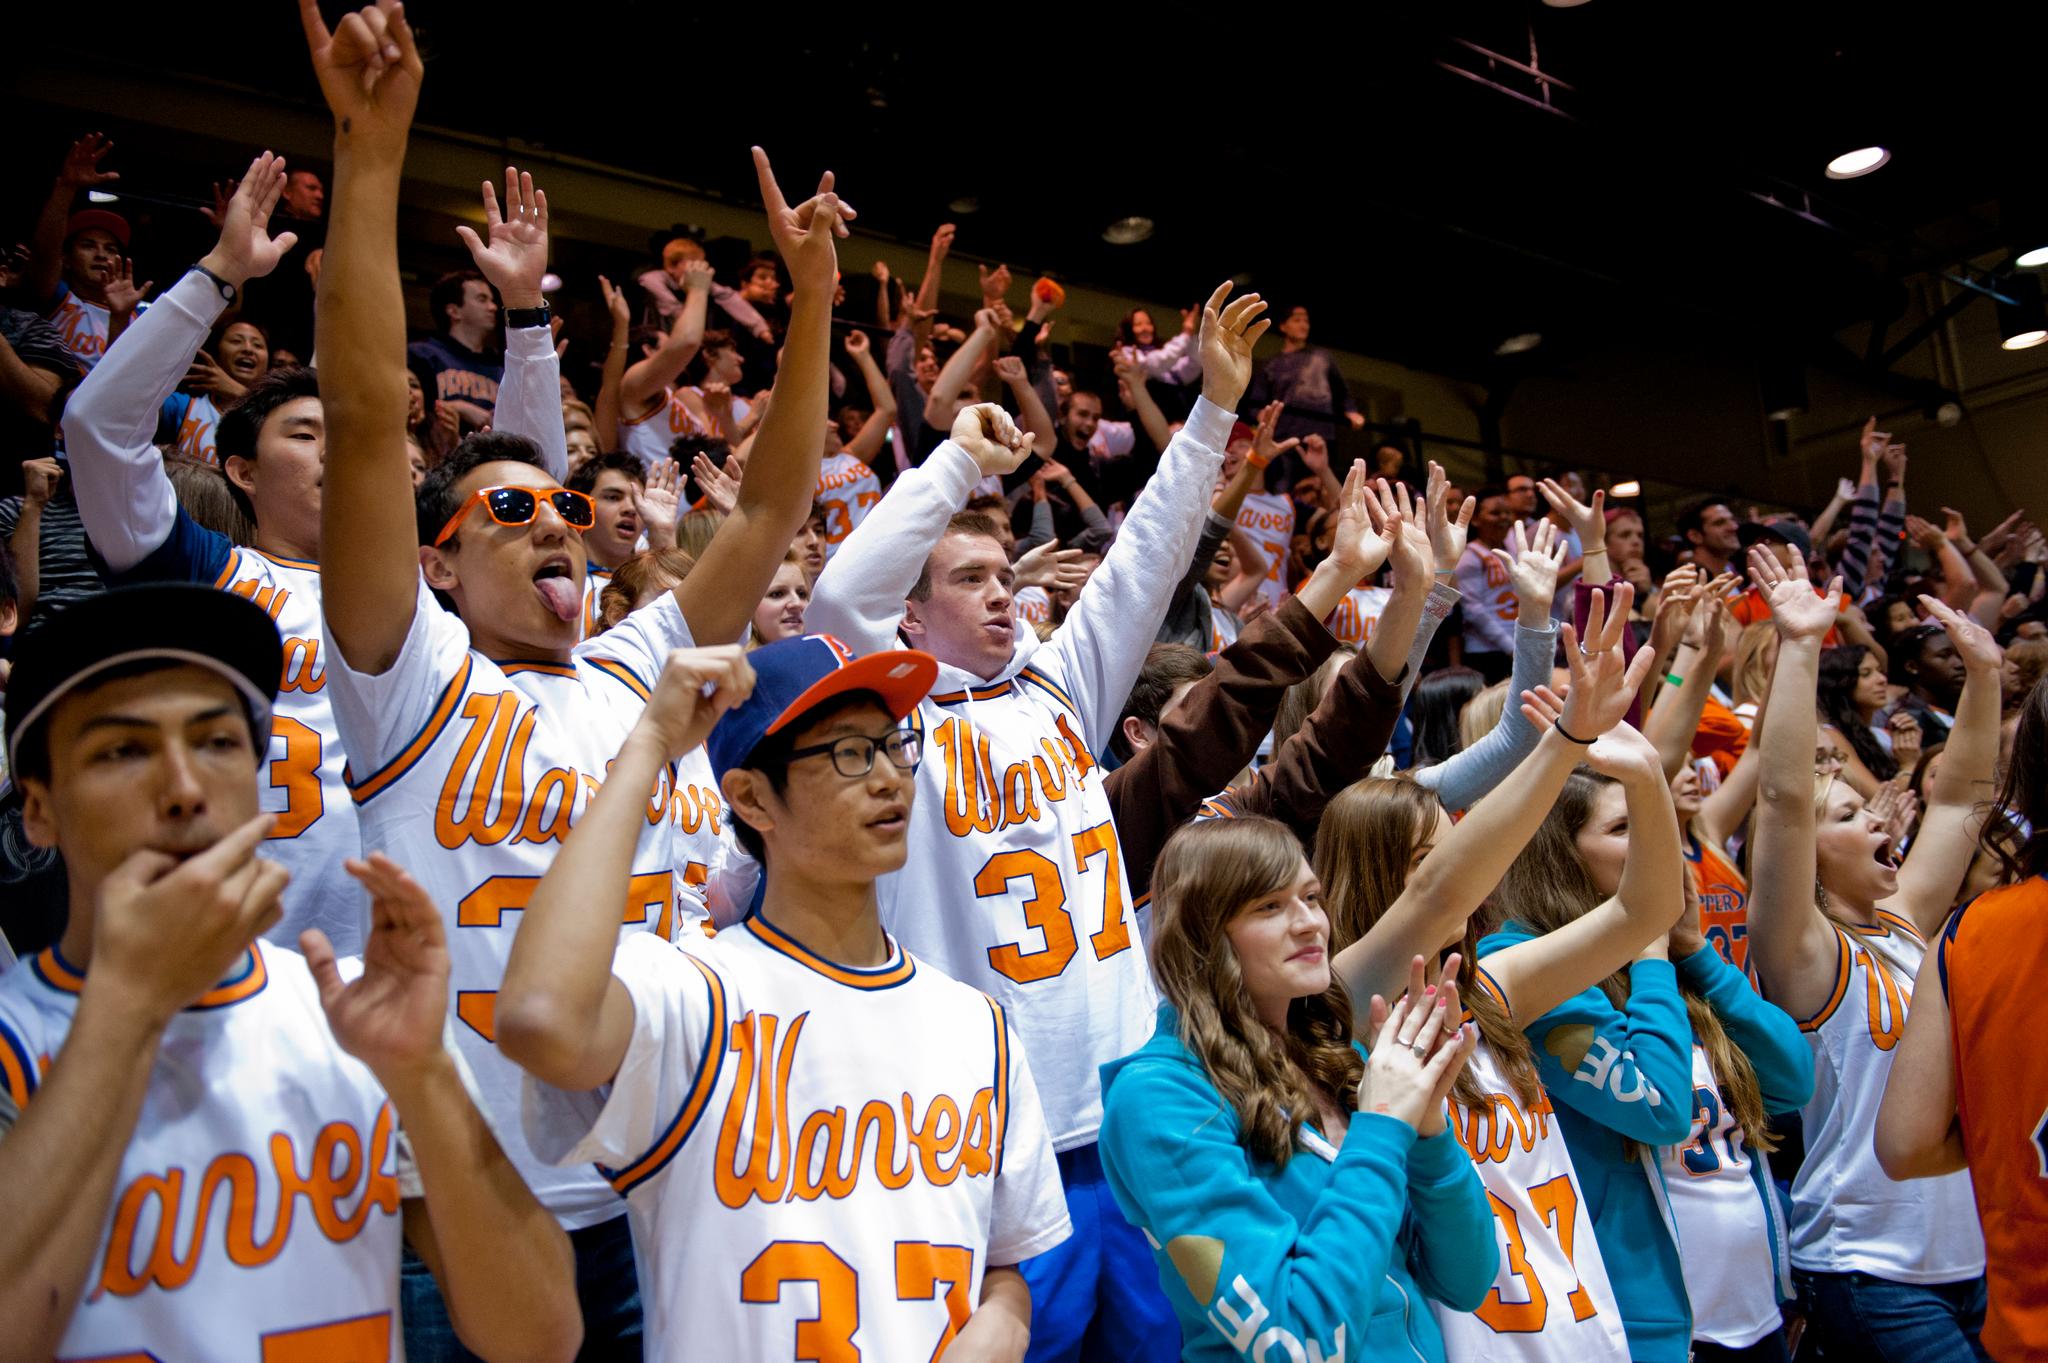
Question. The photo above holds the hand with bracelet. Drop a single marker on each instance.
(1603, 683)
(1447, 532)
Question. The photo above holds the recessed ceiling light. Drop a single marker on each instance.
(2024, 340)
(1862, 161)
(966, 203)
(1564, 4)
(1519, 342)
(100, 196)
(1127, 231)
(1628, 489)
(2029, 259)
(2023, 321)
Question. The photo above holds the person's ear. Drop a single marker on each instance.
(38, 812)
(241, 472)
(438, 569)
(1137, 733)
(748, 794)
(912, 625)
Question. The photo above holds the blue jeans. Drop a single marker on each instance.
(607, 1288)
(1857, 1316)
(1096, 1294)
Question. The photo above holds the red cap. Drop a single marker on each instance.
(85, 219)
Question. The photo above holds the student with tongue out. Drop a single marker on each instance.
(477, 727)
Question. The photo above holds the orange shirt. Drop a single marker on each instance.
(1751, 607)
(1724, 900)
(1993, 960)
(1721, 736)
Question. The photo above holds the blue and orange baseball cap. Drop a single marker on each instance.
(795, 676)
(101, 219)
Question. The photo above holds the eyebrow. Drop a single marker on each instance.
(120, 721)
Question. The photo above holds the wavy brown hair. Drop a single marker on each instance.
(1300, 700)
(635, 578)
(1368, 838)
(1548, 886)
(1206, 875)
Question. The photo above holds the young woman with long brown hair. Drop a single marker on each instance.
(1401, 878)
(1837, 930)
(1301, 1194)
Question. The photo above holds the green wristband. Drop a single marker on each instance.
(1674, 679)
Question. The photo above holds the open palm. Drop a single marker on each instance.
(515, 256)
(1229, 331)
(390, 1016)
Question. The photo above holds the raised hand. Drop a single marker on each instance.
(1602, 682)
(1050, 567)
(988, 435)
(41, 478)
(1010, 370)
(123, 294)
(1315, 453)
(857, 343)
(1411, 554)
(1956, 528)
(1533, 565)
(1367, 527)
(1416, 1051)
(1229, 331)
(803, 234)
(995, 284)
(698, 276)
(1266, 449)
(81, 168)
(218, 213)
(1795, 610)
(1686, 937)
(206, 375)
(391, 1016)
(514, 253)
(1905, 732)
(369, 72)
(1705, 623)
(1448, 531)
(1924, 534)
(1589, 523)
(660, 503)
(1980, 652)
(1894, 460)
(1872, 444)
(721, 489)
(246, 250)
(1130, 376)
(942, 241)
(615, 303)
(1623, 752)
(696, 686)
(165, 931)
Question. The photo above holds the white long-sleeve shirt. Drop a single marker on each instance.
(1014, 881)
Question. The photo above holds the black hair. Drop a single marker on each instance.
(1433, 712)
(234, 435)
(1694, 517)
(2017, 831)
(584, 479)
(10, 586)
(1906, 648)
(770, 757)
(1166, 667)
(1125, 329)
(436, 501)
(447, 293)
(1837, 697)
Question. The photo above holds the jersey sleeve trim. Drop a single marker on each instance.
(1002, 1083)
(1902, 925)
(709, 1065)
(1492, 988)
(1040, 680)
(622, 674)
(362, 792)
(1948, 937)
(227, 571)
(1839, 992)
(18, 1068)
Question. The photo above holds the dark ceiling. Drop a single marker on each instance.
(1361, 162)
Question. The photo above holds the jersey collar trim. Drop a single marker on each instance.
(513, 667)
(283, 562)
(899, 969)
(244, 982)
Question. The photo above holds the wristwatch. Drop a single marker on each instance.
(520, 318)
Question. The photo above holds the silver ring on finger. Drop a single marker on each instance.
(1421, 1051)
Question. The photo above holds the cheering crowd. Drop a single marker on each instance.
(834, 840)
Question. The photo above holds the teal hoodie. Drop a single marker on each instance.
(1631, 1079)
(1328, 1258)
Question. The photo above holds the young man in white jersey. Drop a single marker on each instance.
(76, 255)
(847, 487)
(477, 735)
(272, 450)
(899, 1166)
(634, 507)
(1016, 884)
(160, 1061)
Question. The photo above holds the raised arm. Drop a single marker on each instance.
(40, 478)
(1031, 412)
(645, 380)
(513, 256)
(942, 403)
(503, 1262)
(1957, 530)
(719, 595)
(1131, 387)
(1792, 943)
(606, 413)
(867, 442)
(81, 170)
(124, 497)
(1918, 1132)
(1675, 718)
(369, 535)
(1963, 786)
(562, 1016)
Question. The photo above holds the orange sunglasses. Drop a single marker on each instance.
(511, 505)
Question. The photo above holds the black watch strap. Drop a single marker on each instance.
(227, 291)
(521, 318)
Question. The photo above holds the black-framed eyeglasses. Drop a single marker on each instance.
(854, 755)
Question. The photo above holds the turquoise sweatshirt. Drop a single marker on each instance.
(1630, 1079)
(1324, 1259)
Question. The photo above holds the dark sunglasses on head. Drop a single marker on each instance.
(519, 505)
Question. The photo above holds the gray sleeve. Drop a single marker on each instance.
(1460, 782)
(1436, 608)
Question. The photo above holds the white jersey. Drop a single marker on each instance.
(195, 438)
(1724, 1233)
(303, 781)
(1223, 629)
(792, 1168)
(1031, 605)
(1267, 519)
(1357, 614)
(594, 580)
(255, 1216)
(1551, 1299)
(469, 773)
(650, 435)
(1847, 1216)
(86, 327)
(847, 489)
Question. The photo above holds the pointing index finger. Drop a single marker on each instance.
(771, 193)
